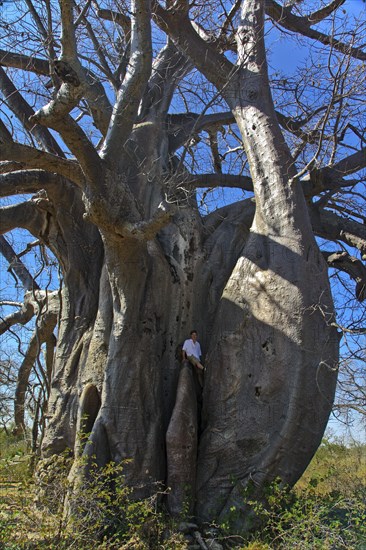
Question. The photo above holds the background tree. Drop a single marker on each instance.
(25, 387)
(120, 124)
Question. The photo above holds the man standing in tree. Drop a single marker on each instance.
(192, 352)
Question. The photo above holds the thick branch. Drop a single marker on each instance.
(228, 224)
(22, 317)
(56, 114)
(120, 18)
(26, 181)
(204, 55)
(324, 12)
(24, 113)
(313, 184)
(328, 225)
(325, 179)
(328, 177)
(183, 127)
(221, 180)
(33, 158)
(94, 92)
(134, 84)
(7, 166)
(147, 230)
(66, 100)
(5, 135)
(25, 215)
(168, 69)
(351, 164)
(77, 142)
(242, 212)
(25, 62)
(16, 265)
(284, 17)
(68, 40)
(22, 383)
(351, 265)
(295, 126)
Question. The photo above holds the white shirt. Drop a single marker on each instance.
(192, 348)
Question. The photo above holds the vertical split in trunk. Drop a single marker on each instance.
(181, 442)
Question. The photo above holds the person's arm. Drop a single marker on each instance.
(199, 351)
(184, 354)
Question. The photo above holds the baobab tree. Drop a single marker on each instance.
(120, 122)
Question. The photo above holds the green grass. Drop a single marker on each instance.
(326, 510)
(336, 467)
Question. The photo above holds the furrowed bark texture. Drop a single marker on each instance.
(79, 357)
(273, 354)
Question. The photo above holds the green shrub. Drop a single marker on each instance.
(305, 520)
(101, 513)
(14, 458)
(325, 511)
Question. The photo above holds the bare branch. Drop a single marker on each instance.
(147, 230)
(325, 179)
(183, 127)
(206, 57)
(221, 180)
(93, 38)
(351, 164)
(351, 265)
(93, 90)
(168, 69)
(16, 265)
(284, 17)
(319, 15)
(56, 114)
(41, 28)
(328, 225)
(33, 158)
(5, 135)
(75, 139)
(24, 62)
(332, 177)
(22, 317)
(120, 18)
(24, 113)
(134, 84)
(25, 215)
(230, 16)
(314, 135)
(27, 181)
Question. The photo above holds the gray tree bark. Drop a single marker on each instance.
(142, 267)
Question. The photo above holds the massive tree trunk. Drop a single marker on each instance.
(271, 363)
(117, 371)
(142, 267)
